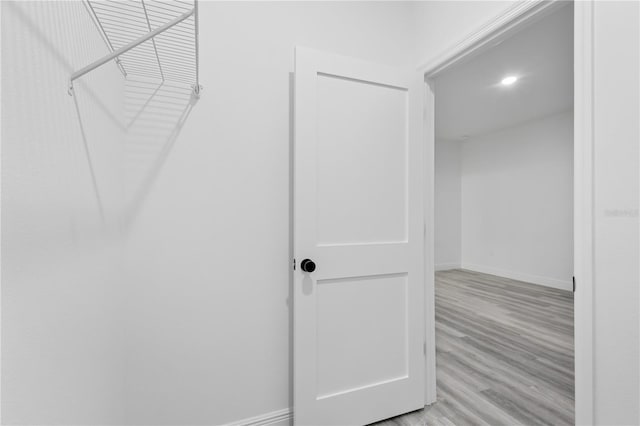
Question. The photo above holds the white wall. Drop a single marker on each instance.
(617, 226)
(62, 343)
(448, 209)
(209, 251)
(443, 24)
(517, 202)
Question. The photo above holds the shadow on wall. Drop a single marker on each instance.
(62, 284)
(60, 57)
(155, 113)
(87, 152)
(92, 101)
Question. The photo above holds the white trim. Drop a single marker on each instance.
(583, 212)
(1, 258)
(430, 394)
(447, 266)
(504, 25)
(519, 276)
(282, 417)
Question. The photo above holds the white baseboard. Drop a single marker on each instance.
(533, 279)
(446, 266)
(282, 417)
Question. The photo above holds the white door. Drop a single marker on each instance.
(359, 316)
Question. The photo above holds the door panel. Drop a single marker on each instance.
(359, 317)
(362, 134)
(357, 350)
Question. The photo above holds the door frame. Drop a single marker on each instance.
(504, 25)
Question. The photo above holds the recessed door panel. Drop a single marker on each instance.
(362, 158)
(362, 332)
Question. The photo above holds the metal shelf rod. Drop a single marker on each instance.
(126, 48)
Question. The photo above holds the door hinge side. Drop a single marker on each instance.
(294, 264)
(424, 349)
(574, 283)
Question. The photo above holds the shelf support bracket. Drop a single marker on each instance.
(116, 53)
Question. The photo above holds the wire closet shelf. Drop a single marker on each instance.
(148, 38)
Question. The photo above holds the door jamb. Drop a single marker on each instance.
(511, 20)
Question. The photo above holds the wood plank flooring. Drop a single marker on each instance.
(504, 354)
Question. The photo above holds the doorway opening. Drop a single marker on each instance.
(502, 121)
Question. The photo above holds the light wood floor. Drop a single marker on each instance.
(504, 353)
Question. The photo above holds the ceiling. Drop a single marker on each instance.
(470, 100)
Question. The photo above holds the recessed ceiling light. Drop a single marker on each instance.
(509, 80)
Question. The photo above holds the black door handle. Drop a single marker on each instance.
(308, 265)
